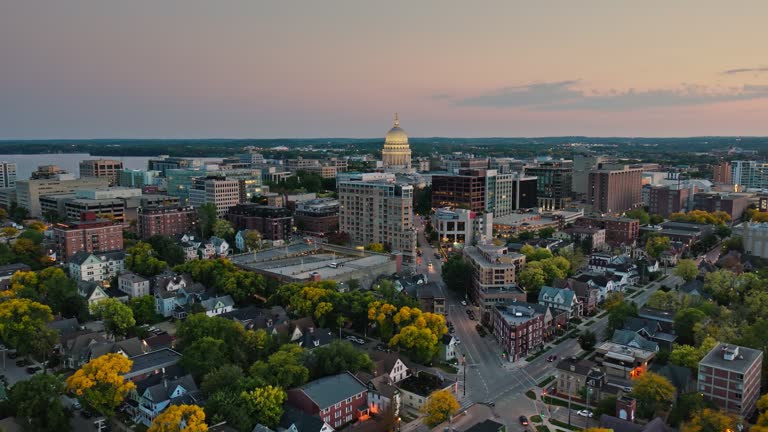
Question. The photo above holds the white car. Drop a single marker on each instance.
(463, 302)
(584, 413)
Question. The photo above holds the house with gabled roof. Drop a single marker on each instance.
(603, 284)
(153, 395)
(174, 293)
(382, 393)
(389, 364)
(337, 399)
(315, 339)
(96, 267)
(650, 329)
(561, 299)
(217, 305)
(587, 295)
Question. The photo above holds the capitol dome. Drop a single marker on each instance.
(396, 135)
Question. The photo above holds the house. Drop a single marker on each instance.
(79, 349)
(617, 424)
(93, 267)
(294, 420)
(9, 270)
(295, 329)
(175, 293)
(627, 355)
(561, 299)
(220, 246)
(416, 390)
(153, 395)
(240, 240)
(652, 330)
(694, 288)
(255, 318)
(151, 363)
(633, 339)
(217, 305)
(587, 295)
(603, 284)
(382, 393)
(64, 326)
(206, 250)
(133, 284)
(315, 338)
(336, 399)
(389, 364)
(431, 298)
(572, 375)
(92, 292)
(158, 342)
(447, 348)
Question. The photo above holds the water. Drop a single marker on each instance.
(27, 164)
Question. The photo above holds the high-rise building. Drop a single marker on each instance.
(47, 172)
(396, 154)
(665, 200)
(378, 211)
(729, 376)
(463, 226)
(220, 191)
(28, 192)
(251, 157)
(732, 203)
(721, 173)
(494, 275)
(180, 181)
(508, 193)
(101, 168)
(582, 165)
(137, 178)
(165, 163)
(89, 235)
(554, 181)
(748, 174)
(483, 190)
(7, 174)
(166, 221)
(615, 190)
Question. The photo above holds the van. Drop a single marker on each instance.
(333, 265)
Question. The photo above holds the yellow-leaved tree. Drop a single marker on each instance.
(711, 420)
(180, 418)
(100, 382)
(762, 419)
(440, 406)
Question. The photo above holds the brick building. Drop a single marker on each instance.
(665, 200)
(337, 399)
(102, 168)
(615, 191)
(89, 235)
(274, 223)
(317, 216)
(518, 329)
(732, 203)
(618, 230)
(729, 376)
(166, 221)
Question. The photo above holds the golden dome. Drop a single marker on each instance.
(396, 135)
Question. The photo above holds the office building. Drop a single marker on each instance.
(165, 163)
(251, 157)
(494, 275)
(732, 203)
(749, 175)
(665, 200)
(482, 190)
(582, 165)
(721, 173)
(47, 172)
(318, 216)
(729, 376)
(219, 191)
(101, 168)
(396, 153)
(180, 181)
(554, 182)
(274, 223)
(615, 190)
(28, 192)
(463, 226)
(90, 235)
(166, 221)
(138, 178)
(377, 211)
(7, 174)
(755, 238)
(510, 192)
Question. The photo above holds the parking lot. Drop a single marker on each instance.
(14, 373)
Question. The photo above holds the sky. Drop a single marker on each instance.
(342, 68)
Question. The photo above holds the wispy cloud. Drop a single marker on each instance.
(762, 69)
(565, 96)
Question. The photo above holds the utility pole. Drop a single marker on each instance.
(570, 385)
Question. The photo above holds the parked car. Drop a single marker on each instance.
(12, 354)
(451, 330)
(584, 413)
(551, 358)
(33, 369)
(359, 341)
(381, 347)
(23, 363)
(523, 420)
(463, 302)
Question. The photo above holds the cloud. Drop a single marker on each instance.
(756, 70)
(564, 96)
(441, 96)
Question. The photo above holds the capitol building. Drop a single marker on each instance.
(396, 154)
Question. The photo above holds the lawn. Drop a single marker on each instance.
(564, 425)
(563, 403)
(536, 419)
(531, 395)
(451, 369)
(547, 381)
(542, 428)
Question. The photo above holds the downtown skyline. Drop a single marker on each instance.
(195, 69)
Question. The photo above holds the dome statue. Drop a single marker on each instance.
(396, 154)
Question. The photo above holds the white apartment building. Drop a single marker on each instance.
(90, 267)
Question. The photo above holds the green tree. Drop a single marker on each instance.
(535, 253)
(618, 315)
(652, 391)
(689, 356)
(231, 408)
(227, 377)
(36, 400)
(337, 357)
(546, 233)
(685, 319)
(440, 406)
(686, 407)
(687, 269)
(587, 340)
(142, 259)
(656, 219)
(457, 274)
(143, 309)
(532, 278)
(655, 245)
(640, 215)
(265, 404)
(223, 229)
(167, 250)
(664, 300)
(203, 356)
(206, 216)
(21, 320)
(117, 316)
(285, 368)
(252, 240)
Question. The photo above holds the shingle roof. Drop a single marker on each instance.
(316, 338)
(551, 292)
(330, 390)
(303, 421)
(632, 339)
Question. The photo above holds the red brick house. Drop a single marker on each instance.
(337, 399)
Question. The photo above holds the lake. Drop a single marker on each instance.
(27, 164)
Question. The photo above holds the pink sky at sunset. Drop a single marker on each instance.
(248, 68)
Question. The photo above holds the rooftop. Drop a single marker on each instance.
(152, 361)
(330, 390)
(731, 357)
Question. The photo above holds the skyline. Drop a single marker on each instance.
(243, 69)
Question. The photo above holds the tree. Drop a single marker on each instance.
(711, 420)
(656, 219)
(265, 404)
(226, 377)
(439, 407)
(180, 418)
(376, 247)
(575, 258)
(685, 319)
(167, 250)
(735, 243)
(337, 357)
(687, 269)
(652, 391)
(143, 309)
(619, 314)
(457, 274)
(546, 233)
(118, 317)
(221, 275)
(656, 245)
(664, 300)
(689, 356)
(284, 368)
(101, 384)
(587, 340)
(21, 320)
(142, 259)
(37, 401)
(252, 240)
(203, 356)
(532, 278)
(223, 229)
(535, 253)
(702, 217)
(640, 215)
(206, 216)
(724, 231)
(9, 232)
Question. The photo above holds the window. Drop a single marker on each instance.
(349, 400)
(338, 405)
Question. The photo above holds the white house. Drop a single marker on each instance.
(389, 364)
(447, 347)
(220, 246)
(133, 284)
(218, 305)
(174, 293)
(86, 266)
(156, 393)
(92, 292)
